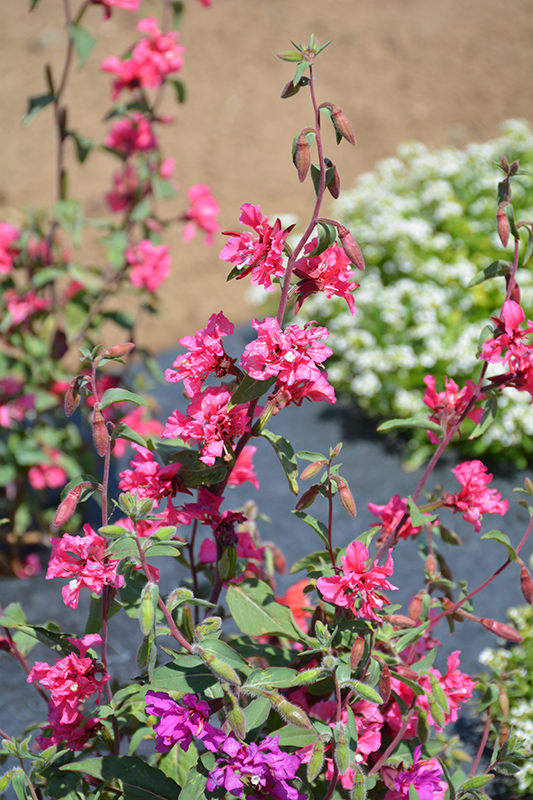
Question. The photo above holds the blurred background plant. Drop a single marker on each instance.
(425, 223)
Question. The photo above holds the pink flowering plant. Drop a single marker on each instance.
(52, 301)
(331, 690)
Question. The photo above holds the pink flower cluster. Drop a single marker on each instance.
(155, 56)
(23, 306)
(329, 272)
(48, 475)
(390, 516)
(203, 213)
(13, 404)
(150, 264)
(475, 498)
(510, 348)
(447, 406)
(8, 235)
(82, 559)
(71, 681)
(131, 135)
(358, 588)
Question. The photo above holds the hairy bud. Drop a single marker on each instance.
(526, 584)
(342, 751)
(502, 223)
(415, 607)
(502, 630)
(67, 507)
(316, 762)
(431, 566)
(117, 350)
(357, 651)
(72, 396)
(399, 620)
(209, 626)
(307, 676)
(236, 717)
(359, 791)
(422, 726)
(384, 687)
(289, 712)
(340, 121)
(302, 156)
(222, 671)
(313, 469)
(334, 184)
(503, 702)
(100, 432)
(350, 247)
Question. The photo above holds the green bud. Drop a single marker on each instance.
(422, 727)
(235, 714)
(227, 563)
(307, 676)
(147, 607)
(288, 711)
(342, 751)
(437, 713)
(439, 694)
(209, 626)
(329, 663)
(476, 782)
(359, 784)
(222, 671)
(316, 762)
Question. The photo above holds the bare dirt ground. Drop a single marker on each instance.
(440, 71)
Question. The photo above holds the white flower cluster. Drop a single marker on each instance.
(425, 222)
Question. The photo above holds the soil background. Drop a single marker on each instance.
(440, 71)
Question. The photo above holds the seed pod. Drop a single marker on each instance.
(436, 712)
(72, 396)
(356, 653)
(341, 752)
(350, 247)
(100, 432)
(117, 350)
(307, 676)
(288, 711)
(316, 762)
(222, 671)
(67, 507)
(406, 672)
(290, 89)
(415, 607)
(503, 630)
(526, 584)
(439, 694)
(227, 563)
(502, 223)
(431, 566)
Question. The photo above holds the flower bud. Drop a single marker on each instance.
(513, 169)
(288, 711)
(502, 223)
(313, 469)
(307, 676)
(501, 629)
(503, 702)
(209, 626)
(384, 687)
(222, 670)
(357, 651)
(329, 663)
(504, 163)
(308, 497)
(406, 672)
(422, 727)
(316, 762)
(431, 566)
(235, 714)
(340, 121)
(350, 247)
(67, 507)
(399, 620)
(117, 350)
(436, 712)
(526, 584)
(72, 396)
(100, 432)
(290, 89)
(342, 751)
(346, 498)
(359, 791)
(334, 184)
(302, 157)
(415, 607)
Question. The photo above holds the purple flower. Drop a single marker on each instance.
(426, 777)
(178, 724)
(261, 770)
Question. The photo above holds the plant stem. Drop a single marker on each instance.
(482, 744)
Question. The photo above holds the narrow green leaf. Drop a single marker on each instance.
(111, 396)
(285, 453)
(327, 236)
(490, 411)
(36, 104)
(502, 538)
(83, 144)
(411, 422)
(494, 270)
(179, 88)
(122, 431)
(417, 517)
(83, 42)
(529, 247)
(509, 213)
(250, 389)
(307, 455)
(315, 524)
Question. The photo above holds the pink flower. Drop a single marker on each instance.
(28, 567)
(209, 421)
(357, 583)
(180, 722)
(150, 264)
(299, 604)
(82, 559)
(22, 307)
(456, 685)
(425, 775)
(447, 406)
(148, 478)
(131, 135)
(244, 470)
(474, 499)
(126, 5)
(262, 255)
(49, 475)
(154, 57)
(509, 335)
(13, 408)
(329, 272)
(202, 213)
(205, 355)
(126, 189)
(8, 234)
(390, 516)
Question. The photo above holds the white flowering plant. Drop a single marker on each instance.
(425, 222)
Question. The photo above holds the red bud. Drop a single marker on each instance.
(416, 606)
(399, 620)
(346, 497)
(118, 350)
(384, 683)
(341, 123)
(313, 469)
(430, 565)
(67, 507)
(334, 185)
(100, 432)
(501, 629)
(502, 223)
(350, 247)
(72, 396)
(308, 497)
(406, 672)
(526, 584)
(357, 651)
(302, 157)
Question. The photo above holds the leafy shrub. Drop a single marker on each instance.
(425, 222)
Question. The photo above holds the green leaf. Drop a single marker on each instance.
(179, 88)
(257, 613)
(502, 538)
(312, 561)
(307, 455)
(529, 247)
(225, 653)
(291, 736)
(290, 55)
(139, 780)
(494, 270)
(122, 431)
(83, 42)
(417, 517)
(285, 453)
(189, 674)
(327, 236)
(413, 794)
(315, 524)
(111, 396)
(36, 104)
(84, 145)
(194, 789)
(195, 473)
(300, 69)
(256, 714)
(249, 389)
(509, 213)
(411, 422)
(490, 411)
